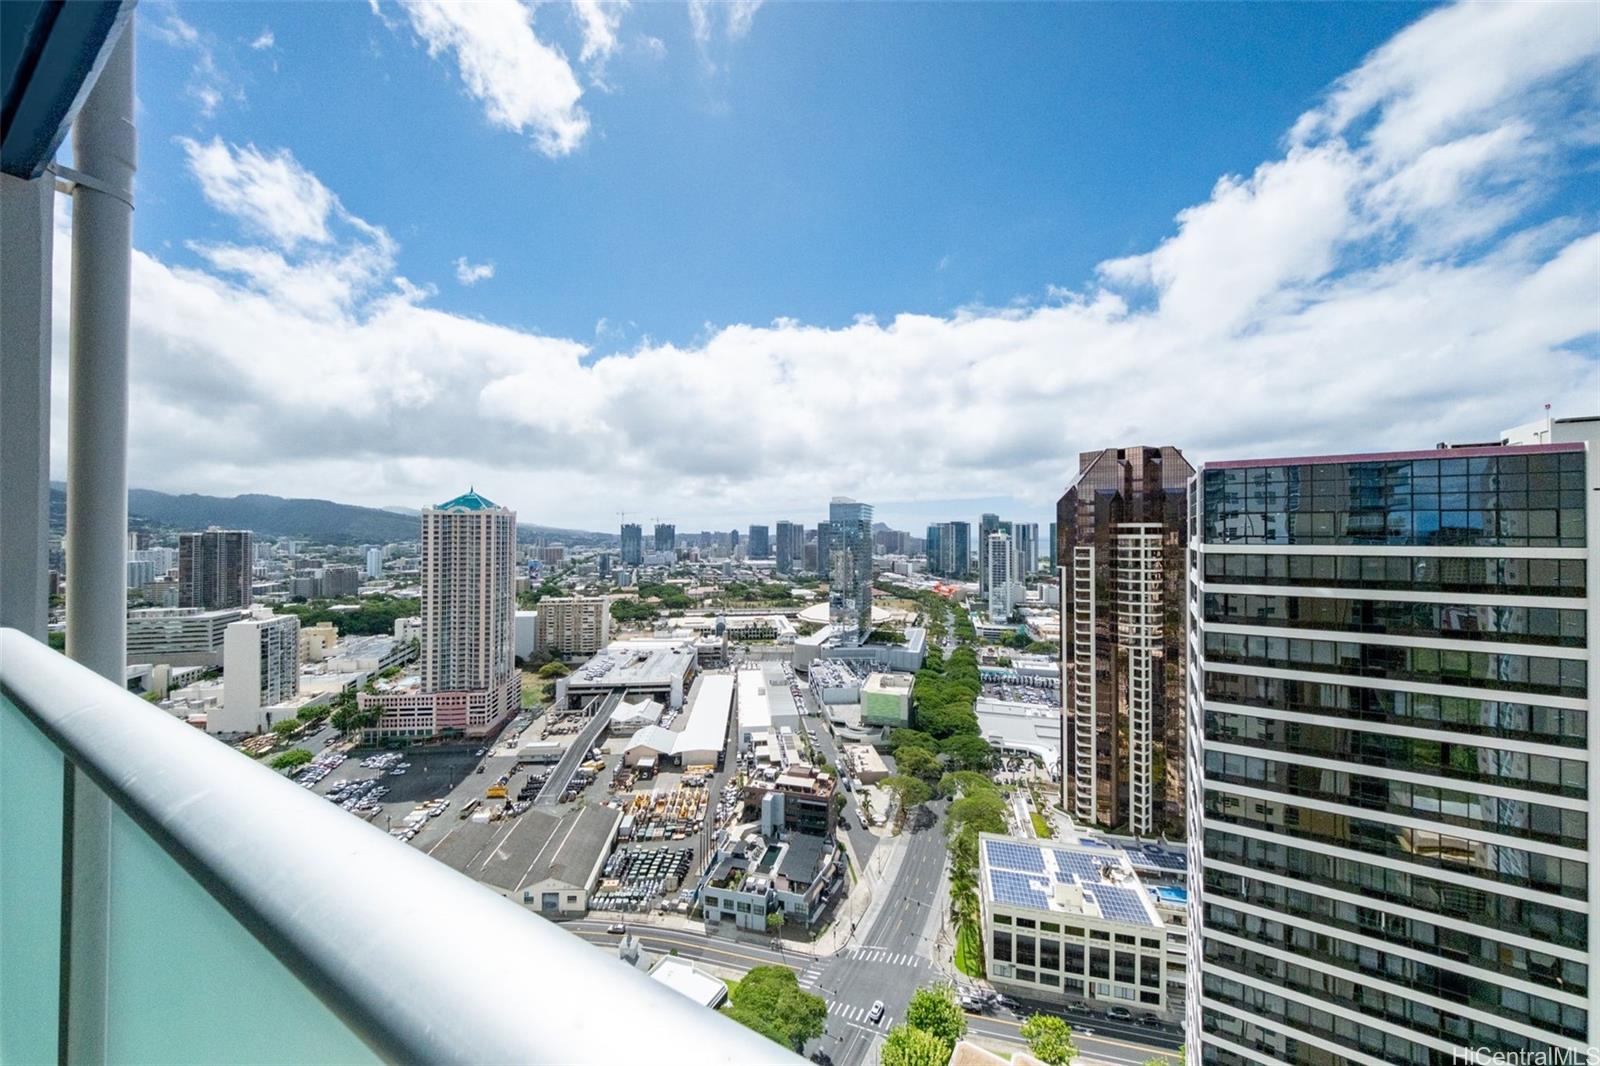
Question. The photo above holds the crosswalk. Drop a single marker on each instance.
(869, 954)
(811, 974)
(857, 1015)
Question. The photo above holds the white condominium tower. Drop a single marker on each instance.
(1390, 828)
(469, 548)
(1000, 557)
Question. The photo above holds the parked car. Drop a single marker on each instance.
(875, 1015)
(1120, 1014)
(1149, 1019)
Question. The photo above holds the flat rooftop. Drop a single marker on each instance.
(533, 846)
(893, 684)
(635, 664)
(1053, 877)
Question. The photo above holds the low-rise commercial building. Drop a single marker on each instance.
(1070, 922)
(181, 636)
(1030, 730)
(886, 700)
(796, 877)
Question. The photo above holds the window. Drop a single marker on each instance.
(1002, 947)
(1099, 963)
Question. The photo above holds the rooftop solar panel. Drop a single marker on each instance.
(1009, 856)
(1121, 905)
(1010, 887)
(1070, 864)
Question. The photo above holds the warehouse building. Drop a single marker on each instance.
(702, 734)
(548, 859)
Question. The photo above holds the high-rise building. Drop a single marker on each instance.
(824, 563)
(603, 565)
(1392, 843)
(1002, 576)
(469, 549)
(789, 545)
(260, 670)
(850, 576)
(573, 625)
(1050, 550)
(632, 544)
(1025, 539)
(733, 540)
(1123, 530)
(956, 549)
(469, 635)
(988, 524)
(215, 569)
(931, 548)
(374, 563)
(666, 537)
(760, 545)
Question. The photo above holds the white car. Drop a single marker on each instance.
(875, 1015)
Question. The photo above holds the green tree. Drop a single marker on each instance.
(910, 790)
(770, 1001)
(290, 759)
(967, 752)
(774, 921)
(284, 726)
(966, 782)
(1049, 1038)
(911, 738)
(983, 811)
(553, 670)
(918, 762)
(908, 1046)
(935, 1011)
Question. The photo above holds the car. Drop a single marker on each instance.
(479, 752)
(875, 1015)
(1120, 1014)
(616, 927)
(1149, 1019)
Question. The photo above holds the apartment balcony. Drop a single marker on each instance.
(164, 898)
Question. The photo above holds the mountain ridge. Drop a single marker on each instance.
(326, 521)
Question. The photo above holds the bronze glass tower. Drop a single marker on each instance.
(1122, 530)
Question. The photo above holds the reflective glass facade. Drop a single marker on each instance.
(1390, 836)
(1122, 530)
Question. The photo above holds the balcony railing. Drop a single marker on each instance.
(243, 919)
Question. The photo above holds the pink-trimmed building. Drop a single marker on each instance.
(469, 681)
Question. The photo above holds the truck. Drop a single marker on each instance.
(495, 792)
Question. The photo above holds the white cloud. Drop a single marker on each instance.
(1327, 301)
(273, 195)
(741, 13)
(264, 39)
(472, 273)
(598, 20)
(525, 84)
(207, 84)
(735, 16)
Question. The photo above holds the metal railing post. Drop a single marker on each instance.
(26, 220)
(104, 147)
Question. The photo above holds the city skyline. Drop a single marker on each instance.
(1438, 260)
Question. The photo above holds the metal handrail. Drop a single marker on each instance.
(401, 948)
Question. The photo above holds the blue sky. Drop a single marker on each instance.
(871, 159)
(722, 262)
